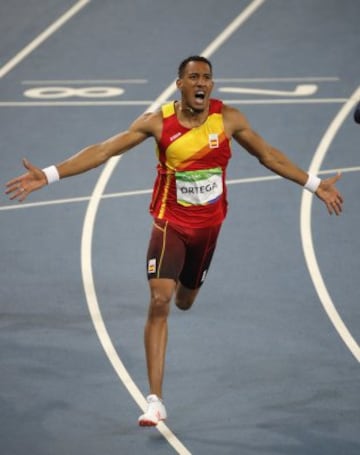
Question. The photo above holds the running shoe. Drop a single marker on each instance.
(155, 412)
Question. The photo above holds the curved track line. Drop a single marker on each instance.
(42, 37)
(94, 309)
(86, 242)
(305, 227)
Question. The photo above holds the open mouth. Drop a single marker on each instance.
(200, 96)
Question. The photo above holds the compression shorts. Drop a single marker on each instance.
(180, 253)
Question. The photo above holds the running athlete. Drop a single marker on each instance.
(189, 202)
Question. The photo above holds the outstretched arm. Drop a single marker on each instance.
(88, 158)
(279, 163)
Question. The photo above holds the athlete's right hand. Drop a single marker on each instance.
(20, 187)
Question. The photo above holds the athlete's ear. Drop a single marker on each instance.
(178, 83)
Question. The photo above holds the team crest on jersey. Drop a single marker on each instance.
(152, 265)
(213, 140)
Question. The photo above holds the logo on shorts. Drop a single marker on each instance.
(152, 265)
(203, 276)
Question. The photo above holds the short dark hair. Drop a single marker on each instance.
(192, 58)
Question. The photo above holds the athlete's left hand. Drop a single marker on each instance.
(330, 195)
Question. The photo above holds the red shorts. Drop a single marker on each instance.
(180, 253)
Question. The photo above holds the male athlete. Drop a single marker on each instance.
(189, 197)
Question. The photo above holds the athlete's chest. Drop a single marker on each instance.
(203, 145)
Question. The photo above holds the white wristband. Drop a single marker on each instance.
(52, 174)
(312, 183)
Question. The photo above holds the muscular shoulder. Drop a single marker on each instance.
(234, 120)
(238, 127)
(149, 123)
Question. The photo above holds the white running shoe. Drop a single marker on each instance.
(155, 413)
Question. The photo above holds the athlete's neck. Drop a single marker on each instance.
(191, 117)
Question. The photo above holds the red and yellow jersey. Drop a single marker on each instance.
(190, 186)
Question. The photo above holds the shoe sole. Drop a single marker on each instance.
(149, 423)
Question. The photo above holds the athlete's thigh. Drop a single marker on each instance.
(199, 254)
(166, 252)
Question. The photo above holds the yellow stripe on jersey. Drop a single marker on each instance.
(184, 149)
(168, 109)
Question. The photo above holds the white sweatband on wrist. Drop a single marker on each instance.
(312, 183)
(52, 174)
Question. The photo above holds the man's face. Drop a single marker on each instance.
(196, 85)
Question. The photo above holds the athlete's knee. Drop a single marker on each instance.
(185, 297)
(160, 298)
(183, 304)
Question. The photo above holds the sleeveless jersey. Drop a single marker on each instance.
(190, 188)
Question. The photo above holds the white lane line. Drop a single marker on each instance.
(86, 245)
(277, 79)
(27, 205)
(42, 37)
(216, 79)
(87, 81)
(299, 90)
(306, 235)
(289, 101)
(232, 27)
(148, 102)
(73, 103)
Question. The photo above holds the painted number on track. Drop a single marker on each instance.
(69, 92)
